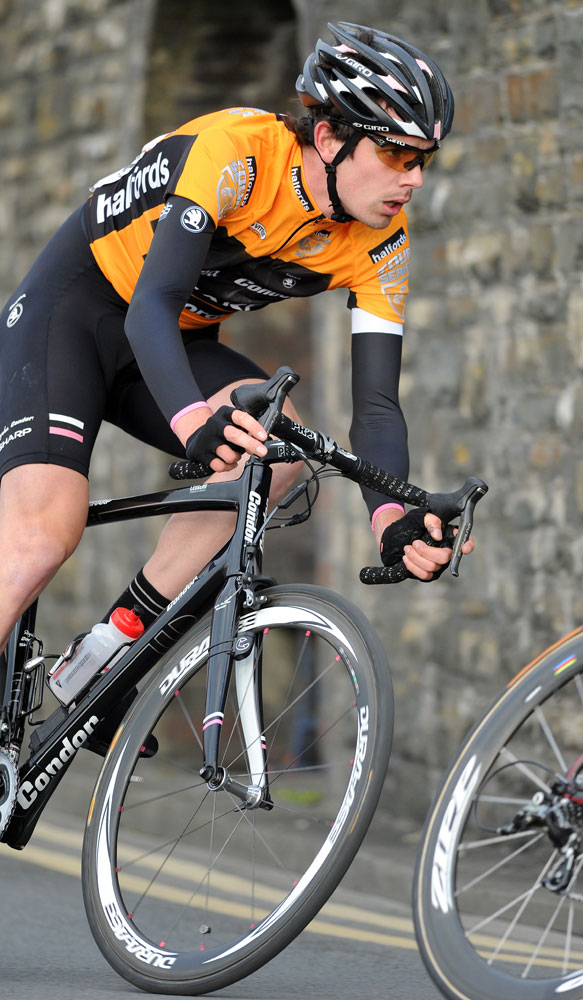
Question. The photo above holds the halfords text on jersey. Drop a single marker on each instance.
(151, 176)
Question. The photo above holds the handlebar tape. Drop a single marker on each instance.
(189, 470)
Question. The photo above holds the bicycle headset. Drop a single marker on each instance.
(348, 80)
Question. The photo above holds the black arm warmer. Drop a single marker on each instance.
(169, 274)
(378, 431)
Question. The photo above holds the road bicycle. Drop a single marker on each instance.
(272, 709)
(498, 893)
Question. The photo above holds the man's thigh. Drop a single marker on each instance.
(216, 369)
(43, 499)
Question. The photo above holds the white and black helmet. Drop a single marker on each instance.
(366, 66)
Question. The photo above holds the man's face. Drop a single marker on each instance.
(370, 190)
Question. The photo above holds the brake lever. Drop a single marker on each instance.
(464, 531)
(264, 400)
(462, 503)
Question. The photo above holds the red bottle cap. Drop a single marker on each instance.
(127, 622)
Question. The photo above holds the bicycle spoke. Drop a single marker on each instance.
(270, 850)
(276, 722)
(310, 746)
(503, 800)
(163, 862)
(515, 894)
(162, 795)
(293, 704)
(521, 766)
(298, 698)
(523, 898)
(503, 838)
(189, 719)
(568, 937)
(540, 716)
(497, 866)
(198, 860)
(543, 937)
(164, 844)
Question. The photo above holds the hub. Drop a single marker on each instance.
(250, 795)
(560, 813)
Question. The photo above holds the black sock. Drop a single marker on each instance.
(141, 593)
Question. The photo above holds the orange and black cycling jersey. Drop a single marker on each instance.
(243, 167)
(217, 218)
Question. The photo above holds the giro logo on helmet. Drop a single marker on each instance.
(379, 128)
(373, 82)
(364, 62)
(363, 70)
(194, 220)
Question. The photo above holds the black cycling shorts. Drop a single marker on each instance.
(66, 364)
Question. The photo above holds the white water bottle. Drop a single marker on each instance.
(72, 672)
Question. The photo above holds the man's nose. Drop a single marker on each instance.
(414, 177)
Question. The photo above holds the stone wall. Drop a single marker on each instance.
(83, 84)
(492, 371)
(72, 85)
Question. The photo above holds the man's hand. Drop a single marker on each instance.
(224, 437)
(424, 561)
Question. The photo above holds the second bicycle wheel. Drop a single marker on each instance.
(186, 890)
(498, 894)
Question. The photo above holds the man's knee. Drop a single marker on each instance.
(48, 541)
(43, 511)
(33, 550)
(284, 477)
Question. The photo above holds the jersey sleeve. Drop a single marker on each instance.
(214, 173)
(379, 290)
(170, 271)
(378, 430)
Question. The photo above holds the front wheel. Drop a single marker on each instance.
(498, 892)
(186, 889)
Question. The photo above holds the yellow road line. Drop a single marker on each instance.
(69, 864)
(66, 864)
(233, 884)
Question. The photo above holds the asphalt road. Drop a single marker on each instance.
(48, 952)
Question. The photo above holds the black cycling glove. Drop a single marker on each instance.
(405, 531)
(202, 445)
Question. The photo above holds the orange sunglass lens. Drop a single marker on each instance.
(405, 159)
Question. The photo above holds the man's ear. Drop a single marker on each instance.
(325, 141)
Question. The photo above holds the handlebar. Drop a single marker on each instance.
(189, 470)
(265, 400)
(447, 506)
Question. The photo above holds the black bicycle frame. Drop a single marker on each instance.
(227, 583)
(224, 584)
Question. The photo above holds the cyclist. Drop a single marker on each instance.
(119, 317)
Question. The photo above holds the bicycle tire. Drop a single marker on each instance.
(151, 899)
(490, 919)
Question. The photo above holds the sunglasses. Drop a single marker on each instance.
(399, 156)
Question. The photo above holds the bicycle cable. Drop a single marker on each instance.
(291, 496)
(490, 777)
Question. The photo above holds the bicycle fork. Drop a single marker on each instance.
(243, 654)
(227, 647)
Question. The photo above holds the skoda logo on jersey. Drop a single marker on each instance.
(16, 311)
(288, 281)
(194, 219)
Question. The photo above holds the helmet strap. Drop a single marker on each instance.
(338, 212)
